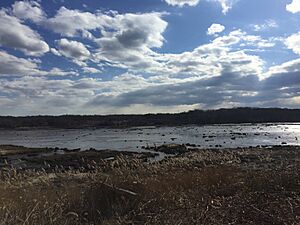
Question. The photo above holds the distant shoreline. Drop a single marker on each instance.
(196, 117)
(147, 127)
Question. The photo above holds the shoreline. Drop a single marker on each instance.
(23, 158)
(147, 126)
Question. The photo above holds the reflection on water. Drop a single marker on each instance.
(133, 139)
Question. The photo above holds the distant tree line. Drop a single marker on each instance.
(199, 117)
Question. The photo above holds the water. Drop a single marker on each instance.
(133, 139)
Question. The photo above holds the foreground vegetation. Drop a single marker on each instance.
(240, 186)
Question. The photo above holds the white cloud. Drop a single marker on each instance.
(18, 36)
(132, 93)
(257, 42)
(12, 65)
(245, 40)
(181, 3)
(214, 59)
(227, 40)
(30, 10)
(225, 4)
(215, 28)
(58, 72)
(126, 40)
(74, 22)
(287, 67)
(293, 43)
(55, 52)
(91, 70)
(131, 50)
(294, 6)
(265, 26)
(129, 40)
(42, 95)
(72, 49)
(223, 69)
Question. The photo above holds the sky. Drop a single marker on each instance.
(147, 56)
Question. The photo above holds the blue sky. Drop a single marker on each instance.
(142, 56)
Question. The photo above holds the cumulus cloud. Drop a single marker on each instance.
(182, 2)
(129, 40)
(72, 49)
(28, 10)
(293, 43)
(224, 70)
(287, 67)
(12, 65)
(126, 40)
(25, 39)
(75, 22)
(219, 56)
(215, 28)
(294, 6)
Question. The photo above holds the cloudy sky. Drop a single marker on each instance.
(142, 56)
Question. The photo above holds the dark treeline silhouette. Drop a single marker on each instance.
(200, 117)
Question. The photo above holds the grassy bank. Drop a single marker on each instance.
(241, 186)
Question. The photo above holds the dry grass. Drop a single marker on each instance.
(206, 187)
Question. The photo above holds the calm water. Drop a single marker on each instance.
(224, 136)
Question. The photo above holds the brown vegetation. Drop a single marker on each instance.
(242, 186)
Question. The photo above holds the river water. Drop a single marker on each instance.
(133, 139)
